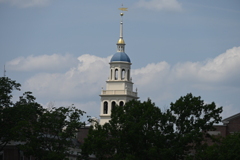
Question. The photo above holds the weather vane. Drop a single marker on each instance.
(123, 9)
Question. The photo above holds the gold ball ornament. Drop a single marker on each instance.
(121, 14)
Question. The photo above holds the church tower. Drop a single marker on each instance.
(119, 86)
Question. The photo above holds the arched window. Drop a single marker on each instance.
(105, 107)
(111, 75)
(121, 103)
(120, 48)
(128, 75)
(113, 105)
(123, 74)
(116, 74)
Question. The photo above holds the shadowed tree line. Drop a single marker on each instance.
(37, 131)
(140, 130)
(137, 130)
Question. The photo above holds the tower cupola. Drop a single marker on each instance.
(119, 86)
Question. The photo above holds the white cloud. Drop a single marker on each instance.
(216, 79)
(151, 74)
(215, 70)
(222, 68)
(44, 62)
(159, 5)
(27, 3)
(80, 82)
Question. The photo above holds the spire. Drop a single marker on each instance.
(4, 72)
(121, 43)
(121, 26)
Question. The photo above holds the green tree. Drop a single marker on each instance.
(226, 148)
(193, 118)
(54, 133)
(6, 88)
(42, 133)
(142, 131)
(135, 131)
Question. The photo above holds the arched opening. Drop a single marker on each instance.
(120, 48)
(116, 74)
(128, 75)
(111, 75)
(113, 105)
(121, 103)
(123, 74)
(105, 107)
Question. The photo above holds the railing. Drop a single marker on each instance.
(118, 92)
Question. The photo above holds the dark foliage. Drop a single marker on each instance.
(225, 149)
(140, 130)
(39, 132)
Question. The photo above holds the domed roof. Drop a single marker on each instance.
(120, 56)
(120, 41)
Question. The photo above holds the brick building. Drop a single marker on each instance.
(230, 125)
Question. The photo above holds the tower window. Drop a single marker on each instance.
(123, 74)
(113, 105)
(128, 75)
(105, 107)
(120, 48)
(111, 75)
(116, 74)
(121, 103)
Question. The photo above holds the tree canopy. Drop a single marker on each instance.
(137, 130)
(192, 119)
(226, 148)
(140, 130)
(6, 87)
(41, 132)
(53, 135)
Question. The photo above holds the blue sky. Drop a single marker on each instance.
(60, 49)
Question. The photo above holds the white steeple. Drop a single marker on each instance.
(119, 86)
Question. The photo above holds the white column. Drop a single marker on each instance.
(119, 73)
